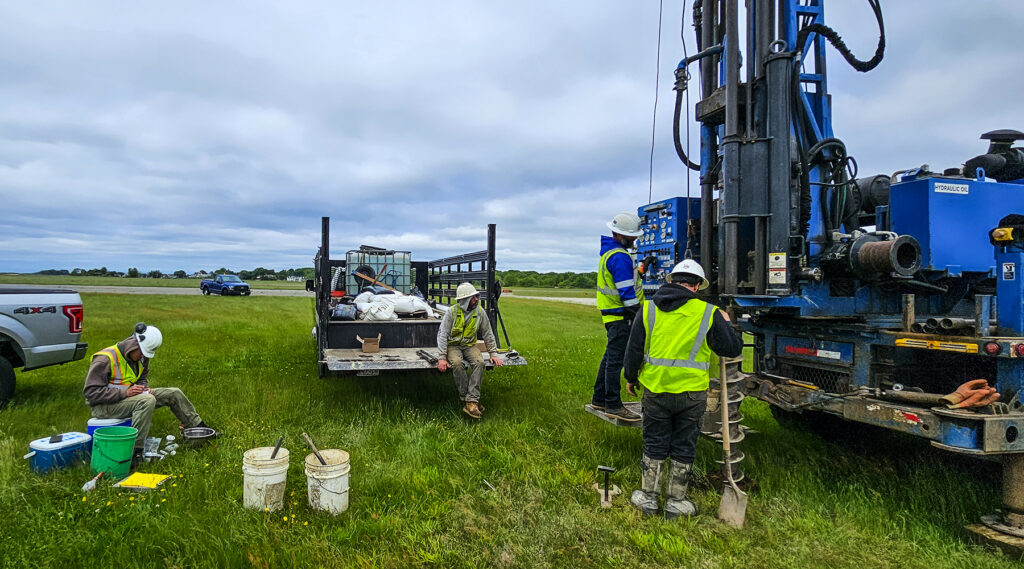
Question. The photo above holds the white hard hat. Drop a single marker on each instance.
(627, 224)
(465, 290)
(149, 340)
(691, 267)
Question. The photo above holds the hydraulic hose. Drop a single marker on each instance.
(837, 42)
(676, 135)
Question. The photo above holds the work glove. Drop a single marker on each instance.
(648, 263)
(974, 393)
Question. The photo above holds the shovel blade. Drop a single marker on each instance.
(733, 508)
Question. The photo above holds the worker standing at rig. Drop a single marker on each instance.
(619, 294)
(669, 352)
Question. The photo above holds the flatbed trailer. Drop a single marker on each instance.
(407, 344)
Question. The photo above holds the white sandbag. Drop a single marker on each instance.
(362, 306)
(381, 311)
(363, 298)
(410, 305)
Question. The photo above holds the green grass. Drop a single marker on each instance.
(118, 281)
(557, 292)
(418, 465)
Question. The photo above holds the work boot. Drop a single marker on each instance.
(472, 409)
(138, 457)
(623, 414)
(646, 499)
(676, 503)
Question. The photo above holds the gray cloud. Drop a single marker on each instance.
(191, 135)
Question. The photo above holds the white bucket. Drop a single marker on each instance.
(328, 484)
(264, 478)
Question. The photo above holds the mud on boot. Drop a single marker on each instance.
(646, 499)
(676, 504)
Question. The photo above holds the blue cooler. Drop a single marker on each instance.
(58, 451)
(97, 423)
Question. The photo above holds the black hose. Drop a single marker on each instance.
(837, 42)
(675, 134)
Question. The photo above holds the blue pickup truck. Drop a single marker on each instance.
(224, 285)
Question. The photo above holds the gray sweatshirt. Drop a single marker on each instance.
(98, 389)
(482, 329)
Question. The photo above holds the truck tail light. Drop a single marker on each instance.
(993, 349)
(1019, 350)
(75, 314)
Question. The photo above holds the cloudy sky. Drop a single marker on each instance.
(195, 135)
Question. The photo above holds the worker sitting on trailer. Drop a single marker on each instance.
(464, 322)
(117, 386)
(619, 293)
(669, 353)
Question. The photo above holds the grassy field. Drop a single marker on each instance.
(418, 465)
(118, 281)
(556, 292)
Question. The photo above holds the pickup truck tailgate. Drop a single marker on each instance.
(396, 359)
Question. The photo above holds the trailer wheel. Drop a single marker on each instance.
(6, 382)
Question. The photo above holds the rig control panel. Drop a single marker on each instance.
(666, 235)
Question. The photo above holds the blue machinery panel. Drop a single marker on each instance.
(666, 236)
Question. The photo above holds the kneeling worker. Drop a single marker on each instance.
(669, 350)
(456, 342)
(117, 385)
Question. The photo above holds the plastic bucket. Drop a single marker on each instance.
(265, 478)
(112, 450)
(328, 484)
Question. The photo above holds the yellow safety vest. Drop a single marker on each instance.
(607, 289)
(121, 373)
(463, 331)
(676, 353)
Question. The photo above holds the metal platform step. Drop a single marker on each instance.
(633, 406)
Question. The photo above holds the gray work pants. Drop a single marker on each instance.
(140, 409)
(469, 388)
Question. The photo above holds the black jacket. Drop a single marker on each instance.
(722, 338)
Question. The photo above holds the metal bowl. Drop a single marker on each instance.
(196, 435)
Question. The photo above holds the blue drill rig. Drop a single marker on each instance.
(871, 298)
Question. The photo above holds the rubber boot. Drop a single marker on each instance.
(646, 499)
(676, 504)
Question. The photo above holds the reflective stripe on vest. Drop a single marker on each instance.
(676, 355)
(121, 374)
(608, 300)
(464, 331)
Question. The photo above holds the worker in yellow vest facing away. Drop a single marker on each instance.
(117, 385)
(669, 354)
(464, 322)
(619, 294)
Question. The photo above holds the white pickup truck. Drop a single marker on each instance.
(39, 327)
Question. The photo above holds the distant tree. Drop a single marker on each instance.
(133, 273)
(62, 272)
(77, 271)
(222, 271)
(180, 274)
(154, 274)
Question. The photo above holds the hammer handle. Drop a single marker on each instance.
(313, 447)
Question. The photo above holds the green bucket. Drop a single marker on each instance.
(112, 450)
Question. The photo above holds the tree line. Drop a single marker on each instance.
(547, 280)
(259, 273)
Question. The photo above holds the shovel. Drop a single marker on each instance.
(733, 508)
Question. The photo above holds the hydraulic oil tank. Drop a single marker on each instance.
(371, 262)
